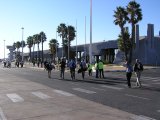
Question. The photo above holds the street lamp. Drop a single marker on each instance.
(90, 47)
(68, 43)
(22, 43)
(4, 49)
(56, 46)
(85, 41)
(76, 42)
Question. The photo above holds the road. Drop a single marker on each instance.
(111, 91)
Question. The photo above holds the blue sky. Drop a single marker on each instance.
(45, 15)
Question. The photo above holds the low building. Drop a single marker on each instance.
(147, 50)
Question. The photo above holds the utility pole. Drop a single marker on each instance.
(90, 48)
(22, 43)
(4, 49)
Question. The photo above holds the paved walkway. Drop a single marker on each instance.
(107, 68)
(82, 109)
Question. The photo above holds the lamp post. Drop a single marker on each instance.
(76, 42)
(68, 43)
(90, 47)
(56, 45)
(85, 41)
(4, 49)
(22, 43)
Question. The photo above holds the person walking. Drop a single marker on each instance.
(129, 70)
(101, 71)
(97, 69)
(72, 66)
(83, 67)
(62, 66)
(89, 69)
(49, 69)
(138, 68)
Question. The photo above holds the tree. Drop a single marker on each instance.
(34, 42)
(30, 44)
(17, 46)
(134, 15)
(127, 42)
(120, 19)
(53, 45)
(37, 41)
(70, 37)
(43, 39)
(62, 31)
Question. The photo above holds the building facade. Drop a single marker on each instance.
(147, 50)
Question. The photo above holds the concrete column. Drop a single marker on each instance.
(150, 35)
(137, 36)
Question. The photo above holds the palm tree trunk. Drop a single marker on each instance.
(38, 52)
(42, 55)
(62, 47)
(124, 42)
(33, 51)
(30, 54)
(132, 41)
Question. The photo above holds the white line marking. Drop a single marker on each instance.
(137, 97)
(63, 93)
(111, 87)
(41, 95)
(150, 78)
(84, 90)
(98, 88)
(15, 98)
(158, 111)
(74, 83)
(142, 117)
(146, 85)
(156, 80)
(2, 116)
(156, 83)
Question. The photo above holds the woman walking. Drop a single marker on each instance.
(129, 70)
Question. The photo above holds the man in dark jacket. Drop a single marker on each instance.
(62, 65)
(138, 68)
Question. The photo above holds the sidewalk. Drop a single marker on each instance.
(28, 100)
(76, 108)
(107, 68)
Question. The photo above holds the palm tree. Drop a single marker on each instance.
(34, 42)
(127, 42)
(62, 31)
(18, 45)
(53, 45)
(30, 44)
(120, 19)
(134, 15)
(43, 39)
(37, 41)
(70, 37)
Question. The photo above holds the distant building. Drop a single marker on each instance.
(147, 49)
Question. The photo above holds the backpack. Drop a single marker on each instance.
(139, 66)
(49, 66)
(73, 65)
(83, 66)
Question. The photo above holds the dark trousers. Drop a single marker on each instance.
(72, 71)
(90, 72)
(62, 73)
(101, 73)
(97, 72)
(83, 73)
(128, 75)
